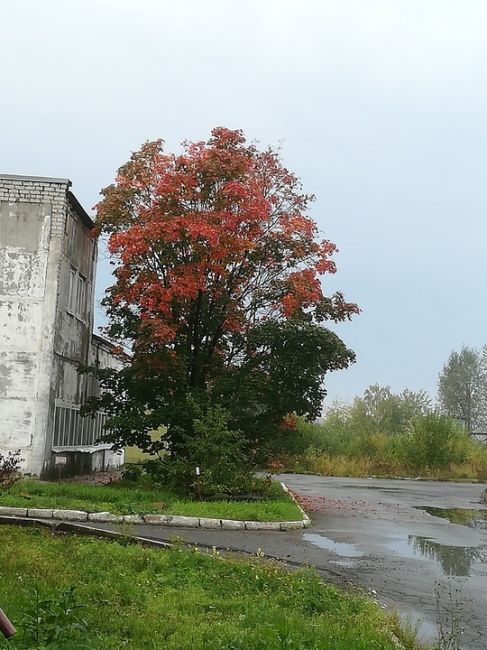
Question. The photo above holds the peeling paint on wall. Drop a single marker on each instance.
(5, 373)
(45, 241)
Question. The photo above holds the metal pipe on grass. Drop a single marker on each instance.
(6, 626)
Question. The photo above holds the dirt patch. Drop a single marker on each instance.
(98, 478)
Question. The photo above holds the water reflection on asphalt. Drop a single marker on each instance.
(340, 548)
(452, 560)
(471, 518)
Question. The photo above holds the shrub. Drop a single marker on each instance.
(10, 468)
(221, 454)
(132, 473)
(372, 445)
(434, 440)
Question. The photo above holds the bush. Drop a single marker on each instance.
(331, 436)
(222, 456)
(10, 468)
(373, 445)
(132, 473)
(434, 440)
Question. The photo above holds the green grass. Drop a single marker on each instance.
(138, 598)
(315, 462)
(120, 498)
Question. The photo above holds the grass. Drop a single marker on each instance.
(315, 462)
(121, 498)
(129, 596)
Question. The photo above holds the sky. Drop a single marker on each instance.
(380, 107)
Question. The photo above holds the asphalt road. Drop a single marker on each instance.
(375, 533)
(414, 560)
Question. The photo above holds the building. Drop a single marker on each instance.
(479, 437)
(48, 258)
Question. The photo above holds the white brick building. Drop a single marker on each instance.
(47, 272)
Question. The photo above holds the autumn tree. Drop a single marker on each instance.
(462, 388)
(217, 295)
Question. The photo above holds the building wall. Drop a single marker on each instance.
(72, 389)
(75, 346)
(74, 316)
(47, 271)
(32, 222)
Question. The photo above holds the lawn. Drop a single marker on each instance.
(134, 597)
(120, 498)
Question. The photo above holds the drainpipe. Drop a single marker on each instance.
(6, 626)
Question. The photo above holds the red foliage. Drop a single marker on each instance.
(214, 241)
(290, 421)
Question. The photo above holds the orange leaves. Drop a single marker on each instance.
(303, 290)
(162, 332)
(298, 226)
(201, 229)
(290, 421)
(233, 323)
(213, 239)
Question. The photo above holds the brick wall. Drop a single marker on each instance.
(38, 190)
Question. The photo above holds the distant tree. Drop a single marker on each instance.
(377, 411)
(371, 425)
(389, 412)
(462, 387)
(217, 294)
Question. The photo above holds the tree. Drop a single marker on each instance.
(391, 413)
(462, 387)
(217, 293)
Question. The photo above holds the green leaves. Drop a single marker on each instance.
(54, 621)
(462, 388)
(216, 292)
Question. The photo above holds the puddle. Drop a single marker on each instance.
(471, 518)
(453, 560)
(340, 548)
(426, 629)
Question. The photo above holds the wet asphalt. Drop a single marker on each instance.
(375, 534)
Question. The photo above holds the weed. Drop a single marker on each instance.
(145, 599)
(53, 621)
(10, 468)
(448, 616)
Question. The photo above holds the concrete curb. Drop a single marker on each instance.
(306, 519)
(159, 520)
(76, 528)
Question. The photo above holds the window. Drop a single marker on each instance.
(77, 294)
(73, 430)
(72, 285)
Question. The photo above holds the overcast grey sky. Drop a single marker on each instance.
(381, 106)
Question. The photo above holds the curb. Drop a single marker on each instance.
(158, 520)
(306, 519)
(86, 530)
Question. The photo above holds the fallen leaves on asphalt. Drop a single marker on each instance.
(325, 505)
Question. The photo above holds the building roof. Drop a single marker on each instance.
(39, 179)
(75, 204)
